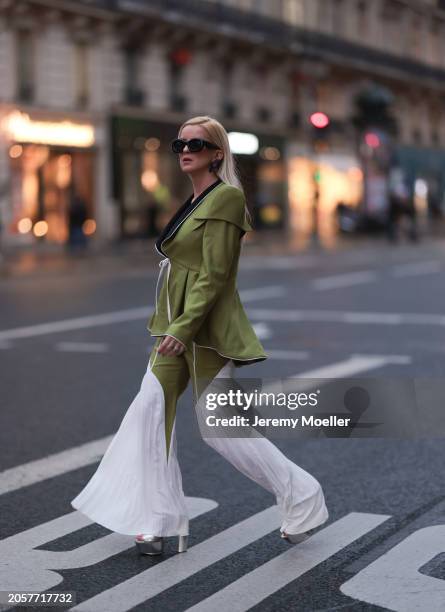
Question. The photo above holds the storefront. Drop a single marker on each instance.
(149, 184)
(317, 184)
(50, 169)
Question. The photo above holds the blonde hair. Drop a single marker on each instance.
(227, 171)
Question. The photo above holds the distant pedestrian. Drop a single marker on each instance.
(152, 210)
(400, 205)
(77, 215)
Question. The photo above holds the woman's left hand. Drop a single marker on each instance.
(170, 346)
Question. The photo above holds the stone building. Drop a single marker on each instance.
(92, 92)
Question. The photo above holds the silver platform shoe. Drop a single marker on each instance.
(154, 545)
(296, 538)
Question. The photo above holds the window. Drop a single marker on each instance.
(259, 6)
(415, 35)
(178, 101)
(362, 20)
(25, 65)
(338, 17)
(81, 72)
(228, 105)
(435, 42)
(133, 93)
(390, 18)
(227, 68)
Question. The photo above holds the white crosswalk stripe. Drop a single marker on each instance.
(419, 267)
(255, 586)
(343, 280)
(345, 316)
(108, 318)
(82, 347)
(263, 331)
(263, 581)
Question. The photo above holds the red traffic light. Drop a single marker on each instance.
(372, 140)
(319, 120)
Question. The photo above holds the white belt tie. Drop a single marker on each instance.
(162, 264)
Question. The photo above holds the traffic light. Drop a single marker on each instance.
(372, 140)
(321, 124)
(319, 120)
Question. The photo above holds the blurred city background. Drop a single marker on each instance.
(335, 110)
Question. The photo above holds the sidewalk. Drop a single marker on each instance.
(47, 260)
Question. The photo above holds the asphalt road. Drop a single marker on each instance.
(70, 369)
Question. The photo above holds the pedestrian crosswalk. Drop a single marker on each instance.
(25, 564)
(255, 586)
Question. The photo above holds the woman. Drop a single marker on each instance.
(202, 333)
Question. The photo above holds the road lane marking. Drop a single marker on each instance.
(420, 267)
(157, 578)
(277, 263)
(255, 586)
(286, 566)
(263, 331)
(284, 354)
(394, 581)
(119, 316)
(83, 347)
(92, 452)
(343, 316)
(53, 465)
(41, 329)
(24, 567)
(360, 277)
(355, 364)
(343, 280)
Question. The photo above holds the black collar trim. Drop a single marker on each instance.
(181, 215)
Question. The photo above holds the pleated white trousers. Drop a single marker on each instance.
(135, 489)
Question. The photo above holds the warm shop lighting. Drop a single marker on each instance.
(24, 225)
(270, 153)
(242, 142)
(149, 180)
(152, 144)
(20, 127)
(89, 227)
(40, 228)
(15, 151)
(355, 173)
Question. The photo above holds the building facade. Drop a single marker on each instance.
(92, 92)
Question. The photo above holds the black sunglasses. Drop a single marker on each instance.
(194, 145)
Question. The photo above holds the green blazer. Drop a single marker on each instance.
(202, 257)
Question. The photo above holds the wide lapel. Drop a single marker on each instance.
(173, 232)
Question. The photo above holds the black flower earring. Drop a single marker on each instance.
(214, 165)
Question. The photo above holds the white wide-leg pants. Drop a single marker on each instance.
(137, 487)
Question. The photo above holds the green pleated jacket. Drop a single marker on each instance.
(205, 305)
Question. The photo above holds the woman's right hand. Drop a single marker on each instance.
(170, 346)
